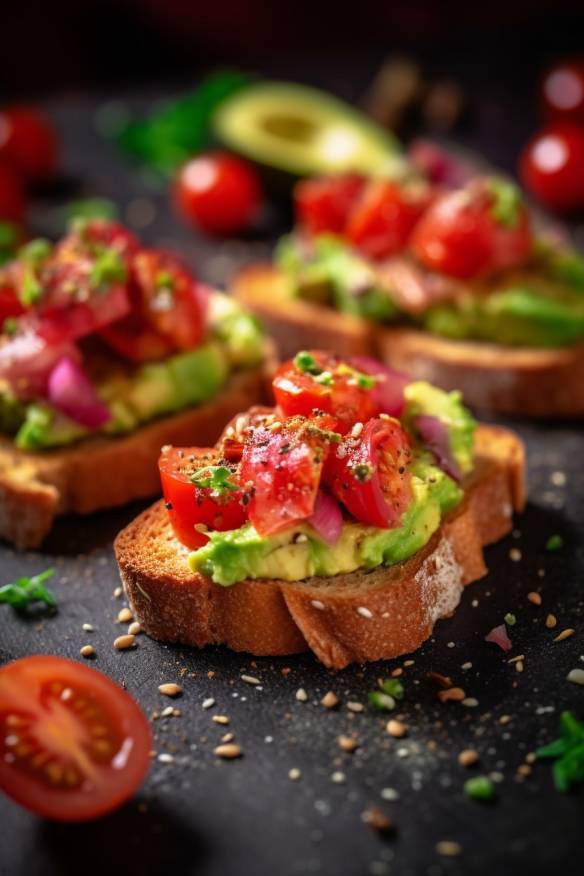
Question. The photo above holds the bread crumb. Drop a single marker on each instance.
(329, 700)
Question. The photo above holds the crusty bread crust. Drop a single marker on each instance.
(532, 382)
(357, 617)
(105, 472)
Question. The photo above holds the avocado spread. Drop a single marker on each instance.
(299, 553)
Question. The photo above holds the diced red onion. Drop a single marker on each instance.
(70, 391)
(438, 165)
(27, 360)
(327, 518)
(389, 389)
(498, 636)
(434, 433)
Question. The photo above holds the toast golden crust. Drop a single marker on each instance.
(533, 382)
(106, 472)
(358, 617)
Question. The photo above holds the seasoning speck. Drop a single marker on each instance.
(329, 700)
(125, 616)
(468, 757)
(165, 758)
(479, 788)
(228, 751)
(170, 689)
(355, 707)
(87, 628)
(348, 743)
(87, 651)
(250, 679)
(294, 774)
(534, 598)
(220, 719)
(376, 819)
(338, 777)
(134, 629)
(122, 643)
(397, 729)
(551, 621)
(455, 694)
(515, 555)
(208, 703)
(301, 695)
(364, 612)
(565, 634)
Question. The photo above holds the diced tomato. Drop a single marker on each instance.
(199, 490)
(170, 298)
(369, 473)
(134, 339)
(320, 381)
(381, 222)
(88, 236)
(324, 204)
(282, 467)
(474, 231)
(10, 304)
(73, 744)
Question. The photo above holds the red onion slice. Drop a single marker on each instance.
(498, 636)
(388, 392)
(327, 518)
(27, 360)
(434, 433)
(438, 165)
(70, 391)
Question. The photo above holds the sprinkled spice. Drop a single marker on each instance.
(510, 620)
(88, 628)
(250, 679)
(301, 695)
(294, 774)
(208, 703)
(347, 743)
(134, 629)
(576, 676)
(515, 555)
(220, 719)
(479, 788)
(355, 707)
(448, 848)
(125, 616)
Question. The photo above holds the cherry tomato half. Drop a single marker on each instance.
(324, 204)
(320, 381)
(28, 142)
(217, 193)
(215, 500)
(10, 304)
(12, 195)
(383, 219)
(73, 744)
(369, 474)
(552, 166)
(562, 91)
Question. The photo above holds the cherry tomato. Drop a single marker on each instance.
(134, 339)
(73, 744)
(474, 231)
(320, 381)
(383, 219)
(170, 297)
(28, 142)
(324, 204)
(369, 474)
(284, 466)
(217, 193)
(552, 166)
(562, 91)
(10, 304)
(12, 195)
(199, 488)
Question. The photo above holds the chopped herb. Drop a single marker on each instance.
(365, 381)
(383, 702)
(10, 327)
(507, 201)
(108, 268)
(325, 434)
(479, 788)
(306, 363)
(393, 687)
(554, 543)
(215, 478)
(285, 448)
(35, 252)
(26, 591)
(31, 290)
(510, 619)
(90, 208)
(568, 751)
(362, 472)
(164, 280)
(9, 235)
(325, 378)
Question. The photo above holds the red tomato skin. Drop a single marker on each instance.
(12, 195)
(381, 498)
(22, 683)
(188, 505)
(28, 142)
(136, 341)
(323, 204)
(552, 166)
(217, 193)
(381, 223)
(562, 91)
(10, 305)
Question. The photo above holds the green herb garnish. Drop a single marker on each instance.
(325, 434)
(510, 619)
(554, 543)
(90, 208)
(325, 378)
(164, 280)
(31, 290)
(479, 788)
(215, 478)
(507, 202)
(306, 363)
(26, 591)
(35, 252)
(568, 752)
(10, 327)
(384, 699)
(108, 268)
(393, 687)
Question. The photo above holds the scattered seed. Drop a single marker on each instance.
(505, 719)
(125, 616)
(390, 794)
(228, 751)
(338, 777)
(117, 592)
(316, 603)
(376, 819)
(301, 695)
(479, 788)
(576, 676)
(516, 659)
(250, 679)
(397, 729)
(134, 629)
(355, 707)
(356, 430)
(409, 663)
(470, 702)
(329, 700)
(294, 774)
(531, 757)
(220, 719)
(165, 758)
(468, 757)
(167, 712)
(466, 666)
(551, 621)
(170, 689)
(122, 643)
(565, 634)
(534, 597)
(87, 651)
(228, 737)
(519, 666)
(524, 770)
(558, 478)
(364, 612)
(448, 848)
(455, 694)
(87, 628)
(208, 703)
(397, 672)
(347, 743)
(515, 555)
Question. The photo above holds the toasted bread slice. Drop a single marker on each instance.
(357, 617)
(512, 380)
(104, 472)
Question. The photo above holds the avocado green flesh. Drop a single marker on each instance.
(304, 131)
(424, 399)
(242, 554)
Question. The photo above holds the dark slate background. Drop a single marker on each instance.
(205, 817)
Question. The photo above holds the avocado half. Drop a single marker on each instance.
(302, 131)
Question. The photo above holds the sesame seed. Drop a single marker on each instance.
(519, 666)
(165, 758)
(122, 643)
(534, 598)
(355, 707)
(576, 676)
(294, 774)
(316, 603)
(468, 757)
(228, 751)
(208, 703)
(338, 777)
(347, 743)
(117, 592)
(329, 700)
(390, 794)
(356, 430)
(558, 478)
(551, 621)
(301, 695)
(124, 616)
(301, 538)
(397, 729)
(515, 554)
(565, 634)
(448, 848)
(220, 719)
(167, 712)
(470, 702)
(134, 629)
(505, 719)
(250, 679)
(87, 628)
(364, 612)
(524, 770)
(466, 666)
(228, 737)
(87, 651)
(170, 689)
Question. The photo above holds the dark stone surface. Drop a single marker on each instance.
(205, 817)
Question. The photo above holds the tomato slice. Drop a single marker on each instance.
(171, 301)
(320, 381)
(281, 468)
(134, 339)
(369, 473)
(323, 204)
(200, 489)
(73, 744)
(474, 231)
(382, 221)
(10, 304)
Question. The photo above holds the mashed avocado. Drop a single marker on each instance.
(424, 399)
(298, 553)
